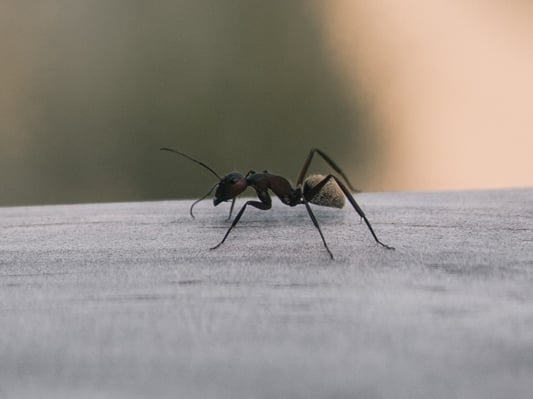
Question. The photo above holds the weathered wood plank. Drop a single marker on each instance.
(126, 300)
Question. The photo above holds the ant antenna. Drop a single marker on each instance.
(192, 159)
(198, 200)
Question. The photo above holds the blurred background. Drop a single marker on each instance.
(403, 95)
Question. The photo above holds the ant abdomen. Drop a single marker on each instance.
(330, 195)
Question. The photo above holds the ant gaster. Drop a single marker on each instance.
(317, 189)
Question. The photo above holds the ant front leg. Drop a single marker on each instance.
(311, 193)
(231, 209)
(256, 204)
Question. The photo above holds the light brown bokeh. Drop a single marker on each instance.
(406, 95)
(450, 85)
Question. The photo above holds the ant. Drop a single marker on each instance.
(316, 189)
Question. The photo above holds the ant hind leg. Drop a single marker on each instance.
(329, 161)
(311, 193)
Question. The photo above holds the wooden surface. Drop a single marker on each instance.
(126, 300)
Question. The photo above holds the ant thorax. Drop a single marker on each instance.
(330, 195)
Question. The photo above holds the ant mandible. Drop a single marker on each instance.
(315, 189)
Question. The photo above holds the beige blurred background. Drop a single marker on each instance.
(404, 95)
(450, 84)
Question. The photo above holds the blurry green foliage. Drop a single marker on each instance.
(94, 88)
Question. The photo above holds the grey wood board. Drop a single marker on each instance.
(126, 300)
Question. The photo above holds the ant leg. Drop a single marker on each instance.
(328, 160)
(257, 204)
(315, 222)
(231, 209)
(311, 193)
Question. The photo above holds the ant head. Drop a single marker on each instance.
(230, 186)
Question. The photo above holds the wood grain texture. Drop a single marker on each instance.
(126, 300)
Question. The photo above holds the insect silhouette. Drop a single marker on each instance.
(321, 190)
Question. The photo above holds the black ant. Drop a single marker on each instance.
(315, 189)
